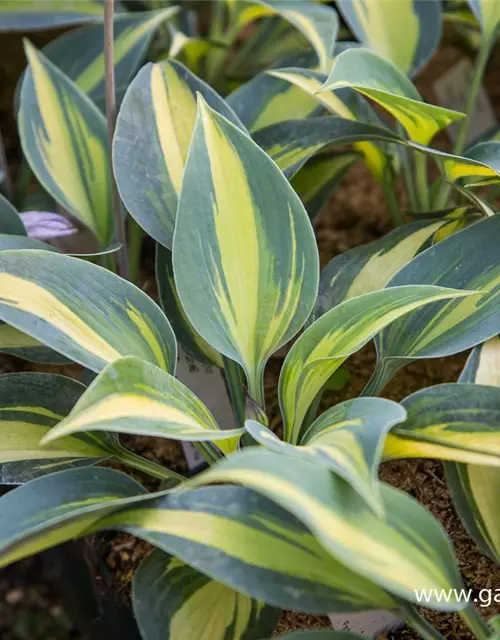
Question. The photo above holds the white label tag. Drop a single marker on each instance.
(451, 91)
(208, 384)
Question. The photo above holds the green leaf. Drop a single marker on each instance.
(383, 83)
(348, 439)
(136, 397)
(35, 15)
(254, 274)
(316, 181)
(370, 266)
(457, 422)
(266, 100)
(450, 327)
(173, 600)
(64, 139)
(318, 23)
(259, 548)
(474, 487)
(406, 32)
(345, 103)
(151, 142)
(80, 53)
(10, 220)
(406, 551)
(487, 13)
(59, 507)
(31, 404)
(331, 339)
(82, 311)
(187, 336)
(292, 142)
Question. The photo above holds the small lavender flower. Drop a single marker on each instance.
(46, 225)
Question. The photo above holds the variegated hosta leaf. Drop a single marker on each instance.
(82, 311)
(483, 364)
(405, 551)
(331, 339)
(347, 439)
(80, 53)
(475, 487)
(487, 13)
(318, 23)
(370, 266)
(133, 396)
(63, 135)
(406, 32)
(382, 82)
(487, 154)
(19, 344)
(187, 336)
(345, 103)
(244, 250)
(266, 100)
(8, 241)
(316, 181)
(479, 161)
(292, 142)
(59, 507)
(153, 133)
(10, 220)
(30, 405)
(458, 422)
(272, 39)
(190, 51)
(173, 600)
(322, 634)
(262, 549)
(35, 15)
(482, 162)
(450, 327)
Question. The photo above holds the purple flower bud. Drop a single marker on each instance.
(45, 225)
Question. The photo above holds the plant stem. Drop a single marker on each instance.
(477, 77)
(392, 202)
(475, 622)
(311, 414)
(23, 184)
(5, 169)
(147, 466)
(421, 180)
(109, 75)
(135, 236)
(384, 371)
(108, 262)
(407, 173)
(235, 382)
(417, 622)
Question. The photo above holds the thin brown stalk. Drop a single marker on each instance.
(5, 169)
(109, 71)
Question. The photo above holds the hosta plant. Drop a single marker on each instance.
(224, 152)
